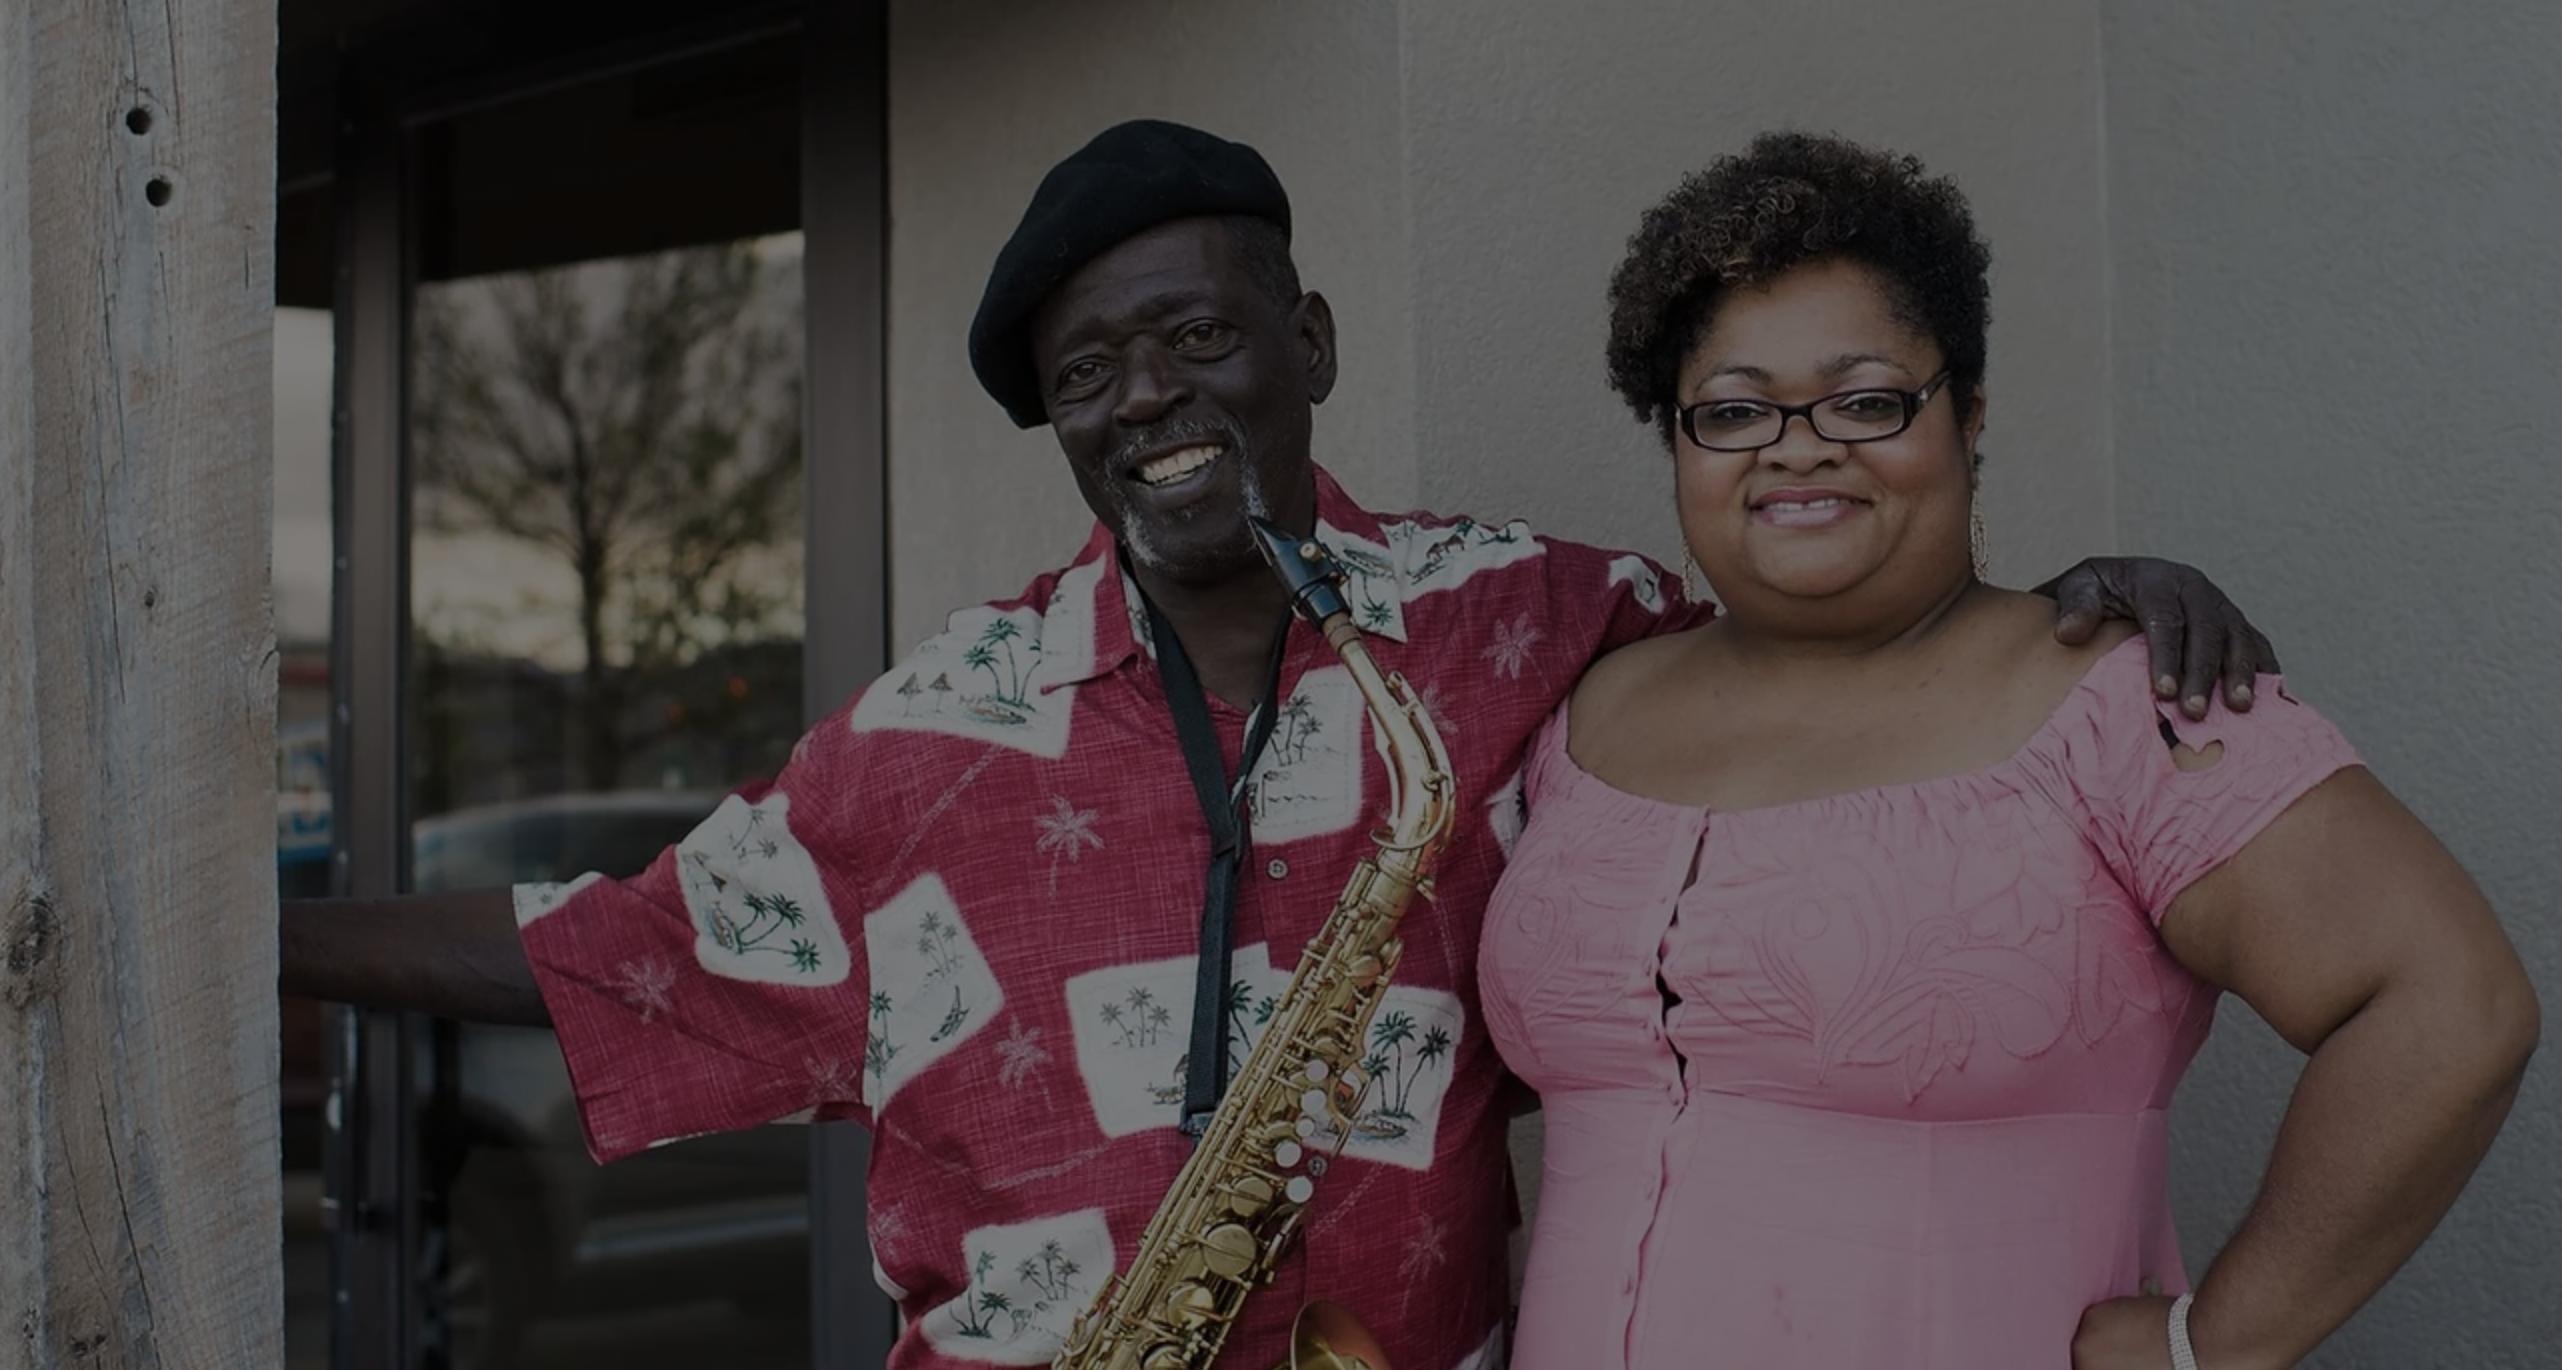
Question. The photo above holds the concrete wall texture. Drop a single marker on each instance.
(2273, 293)
(2333, 318)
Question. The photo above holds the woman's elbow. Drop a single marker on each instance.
(2501, 1020)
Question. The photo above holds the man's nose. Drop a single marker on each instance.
(1152, 385)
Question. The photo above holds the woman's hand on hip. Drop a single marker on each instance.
(2124, 1334)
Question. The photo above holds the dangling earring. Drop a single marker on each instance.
(1975, 511)
(1689, 569)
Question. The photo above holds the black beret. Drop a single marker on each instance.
(1131, 178)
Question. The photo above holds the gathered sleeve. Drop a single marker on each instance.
(2160, 824)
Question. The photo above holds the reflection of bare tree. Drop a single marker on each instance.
(643, 426)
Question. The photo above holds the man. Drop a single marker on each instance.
(976, 913)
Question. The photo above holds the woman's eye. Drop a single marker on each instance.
(1735, 413)
(1868, 404)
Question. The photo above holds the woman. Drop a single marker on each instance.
(1859, 938)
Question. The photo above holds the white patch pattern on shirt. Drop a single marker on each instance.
(1413, 1039)
(1308, 781)
(760, 913)
(932, 990)
(1372, 584)
(1028, 1281)
(1442, 556)
(1643, 582)
(1133, 1027)
(539, 898)
(996, 676)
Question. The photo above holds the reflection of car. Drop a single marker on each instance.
(536, 1230)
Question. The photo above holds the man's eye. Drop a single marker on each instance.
(1078, 374)
(1196, 336)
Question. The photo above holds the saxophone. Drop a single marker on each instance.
(1224, 1226)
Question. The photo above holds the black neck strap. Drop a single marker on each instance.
(1222, 810)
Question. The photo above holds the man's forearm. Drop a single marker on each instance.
(454, 955)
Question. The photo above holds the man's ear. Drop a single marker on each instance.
(1312, 323)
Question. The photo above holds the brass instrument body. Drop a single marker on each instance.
(1238, 1201)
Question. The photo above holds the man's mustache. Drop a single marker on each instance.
(1170, 433)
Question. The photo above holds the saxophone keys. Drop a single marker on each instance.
(1228, 1249)
(1316, 1070)
(1249, 1195)
(1287, 1155)
(1366, 970)
(1189, 1304)
(1300, 1189)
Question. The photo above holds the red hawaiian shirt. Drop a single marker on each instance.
(966, 913)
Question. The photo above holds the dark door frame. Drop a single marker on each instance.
(381, 1063)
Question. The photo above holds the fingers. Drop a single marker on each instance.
(2165, 633)
(2202, 650)
(2241, 668)
(2078, 609)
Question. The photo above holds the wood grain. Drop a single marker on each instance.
(138, 1149)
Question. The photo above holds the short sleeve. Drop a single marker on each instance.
(719, 989)
(2160, 826)
(1603, 600)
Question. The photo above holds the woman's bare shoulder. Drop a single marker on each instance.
(1618, 689)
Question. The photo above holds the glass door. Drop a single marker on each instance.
(605, 527)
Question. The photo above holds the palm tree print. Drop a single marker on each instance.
(878, 1051)
(976, 1317)
(1391, 1033)
(744, 921)
(1066, 831)
(1294, 728)
(1001, 632)
(939, 943)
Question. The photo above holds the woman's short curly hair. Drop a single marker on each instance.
(1787, 200)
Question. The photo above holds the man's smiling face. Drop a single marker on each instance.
(1180, 389)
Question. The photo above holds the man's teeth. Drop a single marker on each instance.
(1174, 466)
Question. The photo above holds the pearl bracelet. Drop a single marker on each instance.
(2183, 1356)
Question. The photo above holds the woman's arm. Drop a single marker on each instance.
(2355, 934)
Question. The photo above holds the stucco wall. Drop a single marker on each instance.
(1538, 133)
(2336, 277)
(985, 95)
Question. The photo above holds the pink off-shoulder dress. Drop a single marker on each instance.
(1883, 1085)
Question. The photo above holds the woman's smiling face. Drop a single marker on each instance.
(1808, 518)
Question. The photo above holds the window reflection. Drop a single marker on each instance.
(304, 353)
(606, 635)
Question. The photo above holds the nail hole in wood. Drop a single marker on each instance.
(138, 120)
(158, 191)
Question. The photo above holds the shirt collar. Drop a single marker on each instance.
(1375, 584)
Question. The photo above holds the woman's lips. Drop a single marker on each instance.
(1806, 510)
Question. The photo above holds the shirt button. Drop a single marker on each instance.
(1278, 870)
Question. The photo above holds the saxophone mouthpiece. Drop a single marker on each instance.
(1314, 580)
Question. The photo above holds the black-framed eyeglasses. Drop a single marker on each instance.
(1851, 416)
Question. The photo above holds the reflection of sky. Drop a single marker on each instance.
(483, 590)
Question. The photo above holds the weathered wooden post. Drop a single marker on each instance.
(138, 1161)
